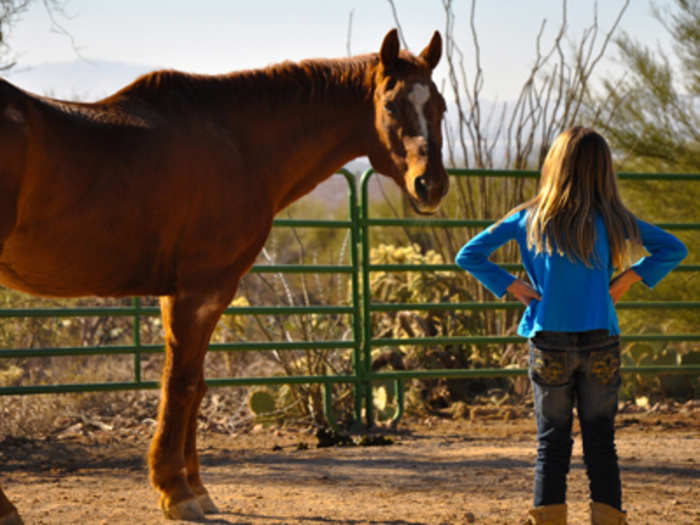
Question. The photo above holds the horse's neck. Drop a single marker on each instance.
(300, 143)
(313, 148)
(294, 125)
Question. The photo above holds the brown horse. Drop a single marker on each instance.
(169, 188)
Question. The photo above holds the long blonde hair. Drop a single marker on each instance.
(577, 179)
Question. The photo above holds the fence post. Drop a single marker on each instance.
(136, 302)
(355, 239)
(366, 303)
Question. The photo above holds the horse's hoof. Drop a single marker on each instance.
(187, 510)
(11, 519)
(208, 506)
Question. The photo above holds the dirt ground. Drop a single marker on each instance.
(436, 471)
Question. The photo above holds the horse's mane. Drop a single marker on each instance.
(151, 96)
(289, 82)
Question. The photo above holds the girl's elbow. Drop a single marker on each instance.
(461, 259)
(680, 251)
(461, 254)
(684, 251)
(466, 258)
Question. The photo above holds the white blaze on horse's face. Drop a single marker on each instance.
(419, 95)
(408, 125)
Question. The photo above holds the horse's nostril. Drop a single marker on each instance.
(421, 188)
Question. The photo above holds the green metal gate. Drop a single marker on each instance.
(400, 376)
(359, 225)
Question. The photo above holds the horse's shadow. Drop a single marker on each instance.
(266, 518)
(39, 455)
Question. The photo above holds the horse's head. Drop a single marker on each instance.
(408, 112)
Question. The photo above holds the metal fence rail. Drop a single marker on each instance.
(359, 224)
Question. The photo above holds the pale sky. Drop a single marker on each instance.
(218, 36)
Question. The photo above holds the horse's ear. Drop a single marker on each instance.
(390, 48)
(432, 52)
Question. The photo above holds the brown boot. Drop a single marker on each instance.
(547, 515)
(602, 514)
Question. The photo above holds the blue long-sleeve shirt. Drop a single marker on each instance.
(575, 298)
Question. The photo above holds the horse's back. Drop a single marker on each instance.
(108, 196)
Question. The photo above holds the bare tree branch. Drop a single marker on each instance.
(349, 38)
(395, 14)
(10, 13)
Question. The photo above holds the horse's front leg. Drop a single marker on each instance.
(188, 321)
(192, 457)
(8, 512)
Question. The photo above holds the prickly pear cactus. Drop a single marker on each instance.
(261, 402)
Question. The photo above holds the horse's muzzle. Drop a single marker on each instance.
(430, 190)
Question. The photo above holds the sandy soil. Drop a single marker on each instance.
(436, 471)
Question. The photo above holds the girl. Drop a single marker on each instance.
(572, 235)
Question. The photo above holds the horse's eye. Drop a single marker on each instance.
(390, 107)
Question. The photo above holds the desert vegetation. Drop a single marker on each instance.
(649, 115)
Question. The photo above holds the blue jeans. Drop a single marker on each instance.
(580, 367)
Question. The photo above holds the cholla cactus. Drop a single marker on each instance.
(428, 287)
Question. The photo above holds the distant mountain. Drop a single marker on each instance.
(77, 80)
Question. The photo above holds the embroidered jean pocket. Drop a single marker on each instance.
(548, 366)
(605, 365)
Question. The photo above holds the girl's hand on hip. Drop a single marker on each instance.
(523, 292)
(620, 284)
